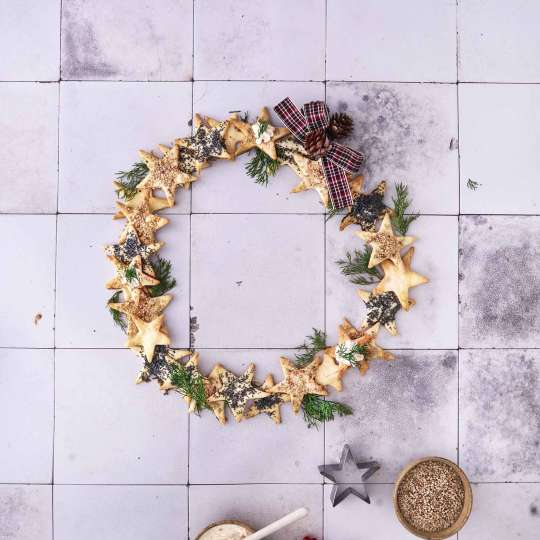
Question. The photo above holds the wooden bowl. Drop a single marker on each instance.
(248, 529)
(465, 512)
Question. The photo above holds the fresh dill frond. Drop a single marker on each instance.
(331, 212)
(356, 267)
(317, 410)
(472, 184)
(349, 354)
(118, 317)
(313, 344)
(261, 167)
(400, 221)
(130, 274)
(190, 384)
(262, 126)
(162, 270)
(129, 180)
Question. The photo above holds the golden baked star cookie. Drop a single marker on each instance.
(269, 405)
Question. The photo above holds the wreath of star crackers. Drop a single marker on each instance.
(140, 286)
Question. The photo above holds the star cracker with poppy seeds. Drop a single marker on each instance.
(132, 275)
(298, 382)
(384, 243)
(131, 246)
(161, 366)
(270, 405)
(381, 308)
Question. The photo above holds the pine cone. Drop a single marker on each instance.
(317, 143)
(341, 125)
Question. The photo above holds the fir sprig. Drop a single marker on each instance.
(262, 126)
(261, 167)
(349, 355)
(190, 384)
(317, 410)
(119, 318)
(162, 270)
(313, 344)
(355, 267)
(129, 180)
(400, 221)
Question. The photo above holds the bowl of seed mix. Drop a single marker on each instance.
(432, 498)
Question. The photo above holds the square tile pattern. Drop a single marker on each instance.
(88, 454)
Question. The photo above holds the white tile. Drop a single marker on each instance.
(433, 321)
(111, 431)
(253, 39)
(26, 512)
(353, 518)
(120, 512)
(82, 318)
(26, 402)
(256, 505)
(503, 511)
(30, 41)
(29, 146)
(225, 187)
(123, 40)
(245, 452)
(408, 133)
(133, 116)
(29, 244)
(256, 280)
(499, 284)
(506, 167)
(498, 41)
(499, 403)
(369, 40)
(398, 408)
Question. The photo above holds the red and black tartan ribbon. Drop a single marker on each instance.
(339, 159)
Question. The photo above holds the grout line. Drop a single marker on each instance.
(286, 348)
(459, 213)
(325, 228)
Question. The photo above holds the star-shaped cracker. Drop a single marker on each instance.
(309, 170)
(242, 136)
(161, 366)
(218, 407)
(141, 305)
(399, 278)
(331, 372)
(131, 246)
(381, 308)
(164, 172)
(155, 204)
(367, 208)
(270, 405)
(148, 336)
(237, 391)
(132, 275)
(141, 219)
(384, 243)
(208, 140)
(298, 382)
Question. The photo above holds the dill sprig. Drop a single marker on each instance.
(473, 184)
(400, 221)
(129, 180)
(262, 126)
(349, 354)
(119, 318)
(261, 167)
(313, 344)
(331, 212)
(162, 270)
(355, 267)
(190, 384)
(130, 274)
(317, 410)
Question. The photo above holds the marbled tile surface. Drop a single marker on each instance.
(444, 97)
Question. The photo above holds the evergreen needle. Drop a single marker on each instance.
(401, 201)
(314, 343)
(119, 318)
(261, 167)
(349, 355)
(317, 410)
(129, 180)
(355, 267)
(190, 384)
(162, 270)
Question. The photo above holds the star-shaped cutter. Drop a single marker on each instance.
(339, 493)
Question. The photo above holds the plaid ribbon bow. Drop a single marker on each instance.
(339, 159)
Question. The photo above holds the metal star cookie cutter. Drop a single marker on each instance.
(339, 491)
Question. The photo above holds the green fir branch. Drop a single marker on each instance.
(317, 410)
(162, 271)
(473, 185)
(400, 221)
(261, 167)
(129, 180)
(119, 318)
(262, 126)
(313, 344)
(356, 267)
(190, 384)
(349, 355)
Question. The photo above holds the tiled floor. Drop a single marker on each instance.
(440, 92)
